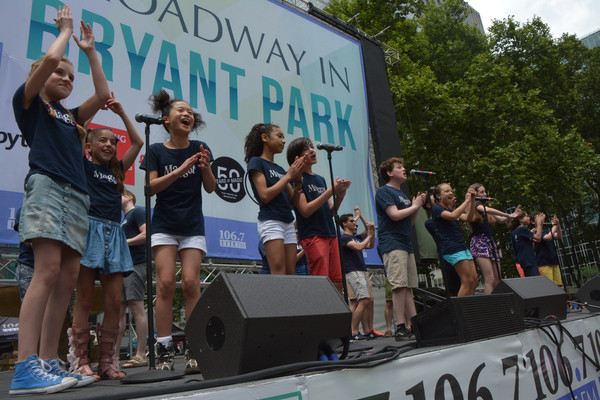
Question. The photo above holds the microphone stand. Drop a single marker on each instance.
(153, 374)
(336, 217)
(493, 249)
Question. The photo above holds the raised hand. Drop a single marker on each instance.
(64, 19)
(113, 105)
(87, 42)
(555, 220)
(297, 167)
(357, 212)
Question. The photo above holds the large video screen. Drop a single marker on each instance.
(236, 62)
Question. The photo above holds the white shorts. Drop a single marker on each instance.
(271, 229)
(182, 242)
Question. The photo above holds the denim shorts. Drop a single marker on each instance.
(456, 257)
(54, 210)
(107, 249)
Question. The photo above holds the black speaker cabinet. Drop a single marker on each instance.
(590, 293)
(537, 296)
(245, 323)
(464, 319)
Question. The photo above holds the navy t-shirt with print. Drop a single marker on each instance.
(522, 240)
(105, 202)
(320, 223)
(178, 209)
(279, 208)
(131, 223)
(393, 235)
(25, 252)
(451, 238)
(54, 144)
(353, 260)
(545, 251)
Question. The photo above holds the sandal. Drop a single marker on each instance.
(106, 365)
(135, 361)
(78, 351)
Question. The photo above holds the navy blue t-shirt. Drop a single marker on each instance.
(178, 208)
(279, 208)
(522, 242)
(481, 228)
(320, 223)
(105, 202)
(393, 235)
(545, 251)
(25, 252)
(353, 260)
(451, 238)
(55, 147)
(131, 223)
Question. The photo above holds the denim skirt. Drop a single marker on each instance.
(107, 249)
(54, 210)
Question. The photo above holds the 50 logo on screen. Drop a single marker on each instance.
(229, 175)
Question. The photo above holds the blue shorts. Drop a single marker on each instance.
(107, 249)
(456, 257)
(54, 210)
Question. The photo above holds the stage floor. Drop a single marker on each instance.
(522, 366)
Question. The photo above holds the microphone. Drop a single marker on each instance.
(421, 173)
(329, 147)
(485, 199)
(149, 119)
(549, 224)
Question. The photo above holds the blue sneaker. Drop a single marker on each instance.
(33, 376)
(58, 368)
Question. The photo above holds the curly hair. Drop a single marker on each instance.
(253, 145)
(388, 166)
(296, 147)
(163, 103)
(514, 223)
(113, 164)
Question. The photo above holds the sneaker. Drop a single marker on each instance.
(378, 333)
(373, 335)
(191, 365)
(166, 357)
(33, 376)
(388, 334)
(58, 368)
(358, 336)
(404, 334)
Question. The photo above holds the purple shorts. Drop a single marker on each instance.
(481, 246)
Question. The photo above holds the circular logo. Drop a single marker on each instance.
(229, 175)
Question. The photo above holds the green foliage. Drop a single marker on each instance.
(516, 110)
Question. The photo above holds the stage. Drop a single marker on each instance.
(522, 366)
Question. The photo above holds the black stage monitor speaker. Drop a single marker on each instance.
(464, 319)
(590, 293)
(537, 296)
(245, 323)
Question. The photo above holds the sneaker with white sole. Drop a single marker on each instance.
(166, 357)
(191, 365)
(33, 376)
(58, 368)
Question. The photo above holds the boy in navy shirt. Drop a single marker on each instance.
(395, 217)
(356, 270)
(523, 239)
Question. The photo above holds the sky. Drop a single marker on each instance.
(578, 17)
